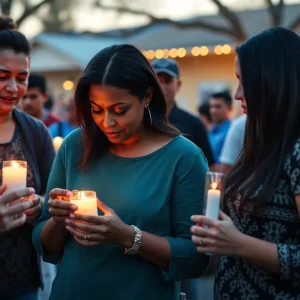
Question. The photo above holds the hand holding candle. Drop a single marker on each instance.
(14, 175)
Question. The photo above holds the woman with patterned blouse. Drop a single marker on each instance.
(259, 237)
(21, 138)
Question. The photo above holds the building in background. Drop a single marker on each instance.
(206, 59)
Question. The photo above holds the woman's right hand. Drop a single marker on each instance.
(59, 206)
(12, 209)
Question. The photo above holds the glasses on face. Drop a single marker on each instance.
(164, 78)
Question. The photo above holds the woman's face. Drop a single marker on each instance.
(239, 94)
(117, 113)
(14, 72)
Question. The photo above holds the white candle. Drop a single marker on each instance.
(57, 141)
(213, 204)
(86, 201)
(14, 175)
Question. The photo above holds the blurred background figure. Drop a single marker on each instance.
(35, 98)
(192, 128)
(233, 144)
(220, 109)
(205, 116)
(64, 127)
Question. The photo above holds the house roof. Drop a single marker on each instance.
(76, 49)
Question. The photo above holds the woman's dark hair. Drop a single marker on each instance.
(124, 67)
(270, 74)
(10, 38)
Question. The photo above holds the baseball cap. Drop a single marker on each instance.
(166, 65)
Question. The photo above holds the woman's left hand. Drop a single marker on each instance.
(220, 237)
(100, 230)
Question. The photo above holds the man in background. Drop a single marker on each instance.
(35, 98)
(233, 144)
(64, 127)
(192, 128)
(220, 105)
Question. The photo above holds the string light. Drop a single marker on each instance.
(173, 53)
(68, 85)
(166, 53)
(226, 49)
(150, 54)
(218, 50)
(195, 51)
(181, 52)
(203, 51)
(159, 54)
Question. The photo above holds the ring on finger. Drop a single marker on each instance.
(86, 238)
(201, 242)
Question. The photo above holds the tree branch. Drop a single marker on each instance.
(275, 11)
(31, 10)
(232, 32)
(295, 23)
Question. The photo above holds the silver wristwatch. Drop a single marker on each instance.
(137, 243)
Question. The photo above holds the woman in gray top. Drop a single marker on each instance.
(21, 138)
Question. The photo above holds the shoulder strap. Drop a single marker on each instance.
(60, 129)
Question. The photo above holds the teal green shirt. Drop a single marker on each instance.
(158, 193)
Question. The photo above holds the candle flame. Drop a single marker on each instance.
(82, 195)
(214, 186)
(14, 164)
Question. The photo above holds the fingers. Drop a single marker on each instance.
(223, 216)
(85, 226)
(11, 224)
(15, 209)
(3, 189)
(86, 243)
(105, 209)
(89, 219)
(59, 193)
(15, 195)
(61, 204)
(204, 221)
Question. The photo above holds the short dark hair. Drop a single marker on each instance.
(203, 109)
(10, 38)
(37, 81)
(125, 67)
(225, 95)
(270, 76)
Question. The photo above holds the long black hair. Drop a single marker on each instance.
(270, 74)
(124, 67)
(10, 38)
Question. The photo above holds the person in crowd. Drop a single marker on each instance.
(193, 129)
(220, 108)
(258, 238)
(204, 114)
(142, 170)
(63, 128)
(20, 139)
(34, 100)
(233, 144)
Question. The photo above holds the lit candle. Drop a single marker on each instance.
(57, 141)
(86, 201)
(14, 175)
(213, 203)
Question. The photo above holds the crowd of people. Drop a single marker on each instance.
(126, 139)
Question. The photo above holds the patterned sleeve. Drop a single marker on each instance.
(289, 254)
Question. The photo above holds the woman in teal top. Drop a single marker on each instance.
(149, 178)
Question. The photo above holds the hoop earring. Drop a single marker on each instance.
(149, 112)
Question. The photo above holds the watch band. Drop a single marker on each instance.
(137, 243)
